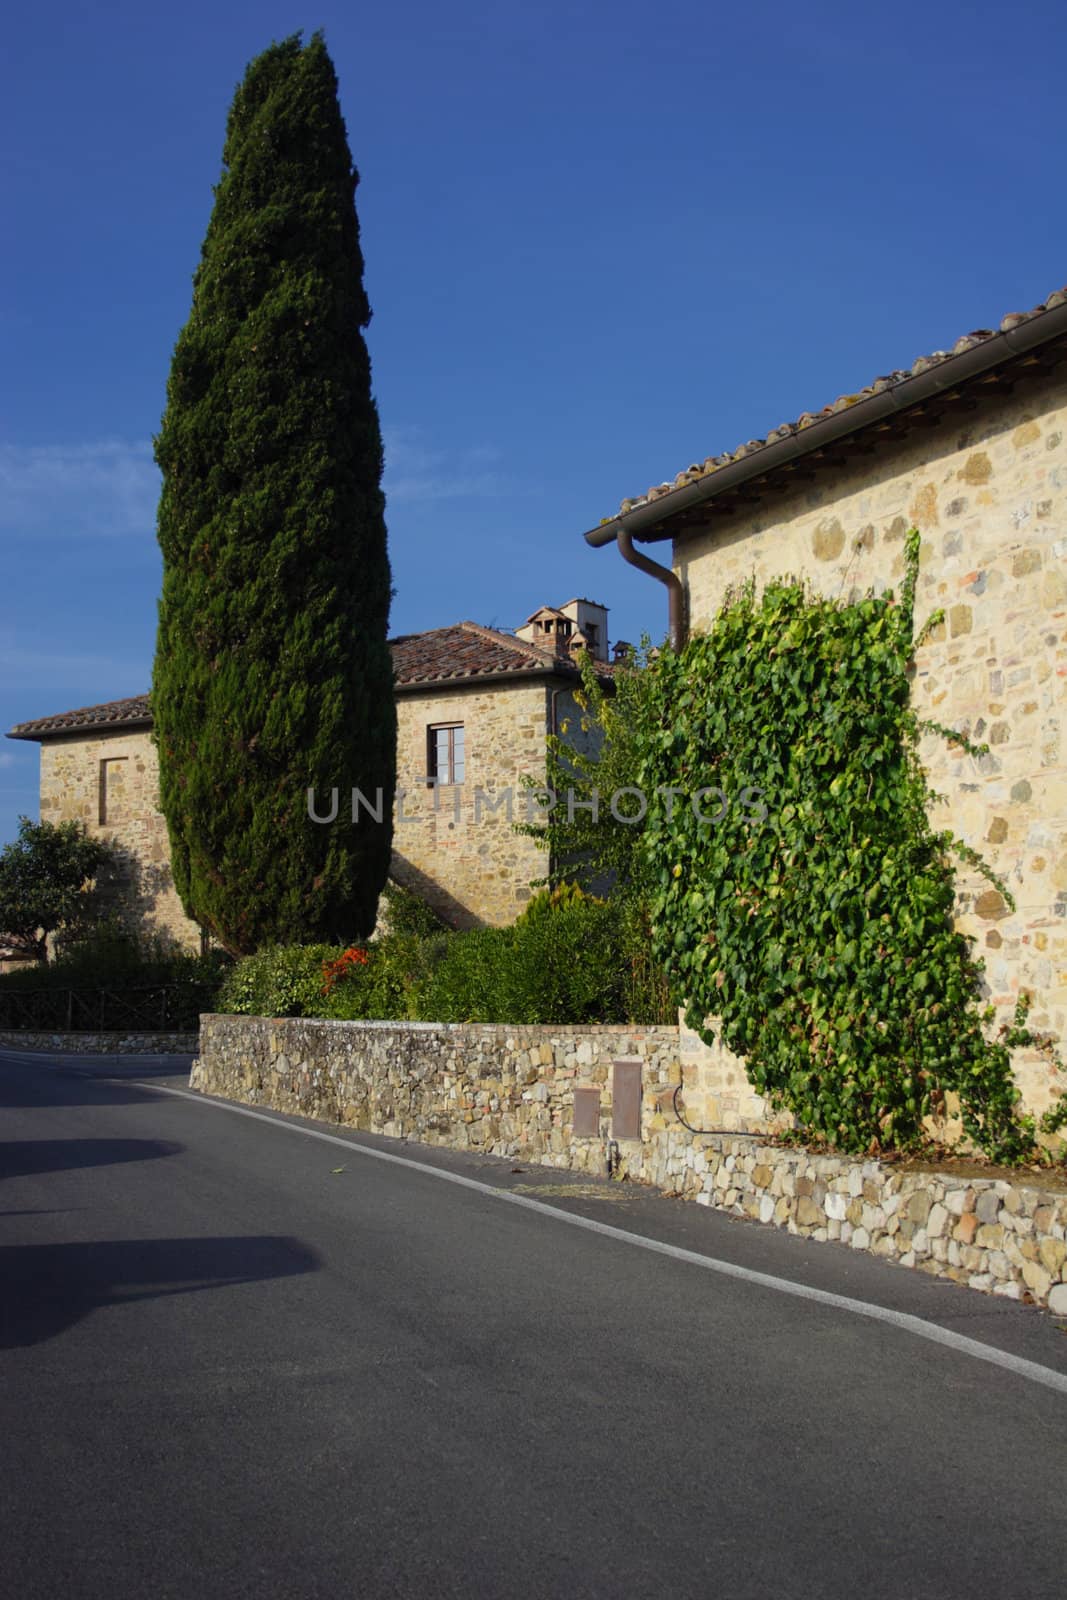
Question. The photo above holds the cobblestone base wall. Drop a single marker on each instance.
(511, 1092)
(103, 1044)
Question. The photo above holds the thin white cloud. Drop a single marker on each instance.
(416, 471)
(6, 759)
(111, 486)
(100, 488)
(32, 668)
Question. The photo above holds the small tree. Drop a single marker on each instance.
(44, 876)
(592, 830)
(273, 676)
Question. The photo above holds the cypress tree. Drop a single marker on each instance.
(272, 674)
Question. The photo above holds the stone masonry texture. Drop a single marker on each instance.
(510, 1092)
(988, 492)
(103, 1044)
(453, 846)
(124, 763)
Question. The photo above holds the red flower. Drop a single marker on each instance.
(344, 965)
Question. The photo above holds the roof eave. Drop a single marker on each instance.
(32, 735)
(562, 669)
(644, 521)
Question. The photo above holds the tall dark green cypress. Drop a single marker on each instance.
(272, 674)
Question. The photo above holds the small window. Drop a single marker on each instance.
(112, 790)
(445, 753)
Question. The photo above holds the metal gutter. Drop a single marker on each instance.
(1042, 328)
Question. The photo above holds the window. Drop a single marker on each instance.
(444, 753)
(112, 790)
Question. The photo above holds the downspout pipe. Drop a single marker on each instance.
(676, 608)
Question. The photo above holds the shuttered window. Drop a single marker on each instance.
(445, 756)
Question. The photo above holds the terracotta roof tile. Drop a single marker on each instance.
(711, 464)
(129, 713)
(466, 650)
(461, 653)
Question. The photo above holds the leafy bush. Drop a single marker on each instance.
(560, 962)
(462, 985)
(568, 959)
(282, 981)
(400, 911)
(304, 980)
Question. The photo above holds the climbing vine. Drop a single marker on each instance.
(814, 920)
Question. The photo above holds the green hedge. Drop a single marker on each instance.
(569, 959)
(289, 981)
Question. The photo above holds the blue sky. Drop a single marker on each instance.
(602, 240)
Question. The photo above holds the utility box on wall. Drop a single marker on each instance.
(586, 1113)
(626, 1100)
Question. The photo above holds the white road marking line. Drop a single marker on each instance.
(1018, 1365)
(917, 1326)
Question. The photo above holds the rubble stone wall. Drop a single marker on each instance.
(512, 1092)
(105, 1044)
(110, 782)
(455, 844)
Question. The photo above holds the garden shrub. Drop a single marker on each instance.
(463, 985)
(280, 981)
(569, 959)
(401, 911)
(561, 962)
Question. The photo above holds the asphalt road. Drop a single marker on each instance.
(237, 1361)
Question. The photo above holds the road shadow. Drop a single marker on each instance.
(23, 1158)
(47, 1288)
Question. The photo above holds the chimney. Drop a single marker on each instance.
(558, 628)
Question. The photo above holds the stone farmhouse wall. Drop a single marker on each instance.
(456, 844)
(553, 1095)
(457, 851)
(989, 496)
(121, 770)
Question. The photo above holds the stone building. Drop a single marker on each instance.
(970, 446)
(474, 709)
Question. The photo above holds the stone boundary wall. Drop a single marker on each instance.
(477, 1086)
(511, 1091)
(103, 1044)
